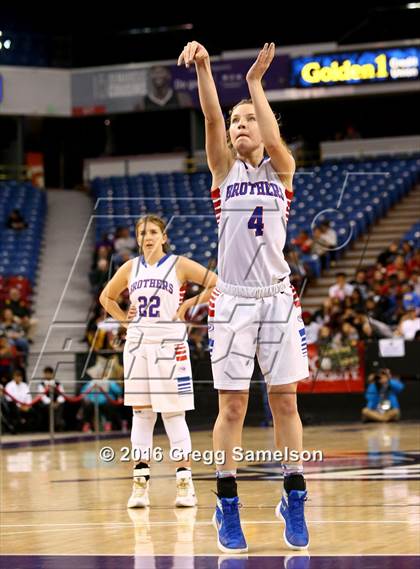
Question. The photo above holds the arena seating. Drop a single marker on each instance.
(354, 193)
(413, 236)
(20, 250)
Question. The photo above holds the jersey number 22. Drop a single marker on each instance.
(149, 308)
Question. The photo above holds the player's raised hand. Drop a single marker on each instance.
(192, 52)
(262, 63)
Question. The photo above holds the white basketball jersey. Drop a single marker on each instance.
(252, 209)
(157, 293)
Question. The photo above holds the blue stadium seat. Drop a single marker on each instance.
(365, 190)
(20, 250)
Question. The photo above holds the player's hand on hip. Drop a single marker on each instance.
(132, 312)
(262, 63)
(193, 52)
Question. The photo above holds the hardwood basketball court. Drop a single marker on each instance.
(63, 500)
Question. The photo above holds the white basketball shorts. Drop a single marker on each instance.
(270, 327)
(158, 375)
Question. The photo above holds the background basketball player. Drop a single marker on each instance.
(157, 368)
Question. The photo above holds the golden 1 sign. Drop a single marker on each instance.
(359, 67)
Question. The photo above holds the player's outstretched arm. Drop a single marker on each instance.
(219, 157)
(281, 158)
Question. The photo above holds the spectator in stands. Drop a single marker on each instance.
(415, 281)
(9, 326)
(319, 246)
(389, 254)
(121, 259)
(99, 276)
(360, 283)
(54, 388)
(299, 269)
(347, 334)
(413, 264)
(366, 329)
(124, 243)
(311, 327)
(342, 288)
(321, 315)
(406, 250)
(101, 392)
(398, 264)
(102, 252)
(402, 279)
(411, 300)
(329, 235)
(382, 397)
(383, 303)
(356, 300)
(101, 330)
(377, 277)
(325, 336)
(7, 359)
(303, 242)
(378, 317)
(409, 325)
(20, 309)
(368, 332)
(16, 221)
(21, 415)
(106, 241)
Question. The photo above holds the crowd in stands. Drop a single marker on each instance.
(16, 326)
(379, 301)
(16, 322)
(320, 248)
(323, 240)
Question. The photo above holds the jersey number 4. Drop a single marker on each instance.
(256, 221)
(149, 307)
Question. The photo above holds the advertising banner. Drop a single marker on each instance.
(356, 67)
(335, 369)
(160, 87)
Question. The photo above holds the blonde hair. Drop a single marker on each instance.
(152, 218)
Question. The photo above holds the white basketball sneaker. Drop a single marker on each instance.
(185, 493)
(140, 495)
